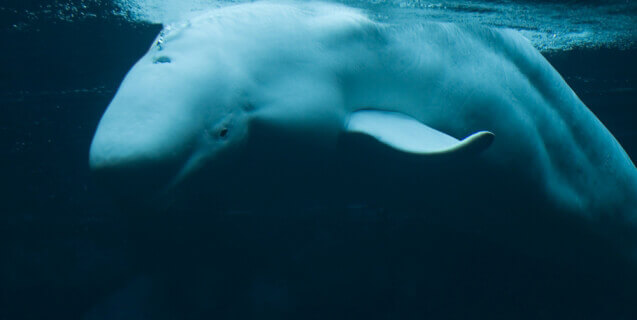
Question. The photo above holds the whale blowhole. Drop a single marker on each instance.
(162, 59)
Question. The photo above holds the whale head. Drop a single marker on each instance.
(189, 103)
(172, 113)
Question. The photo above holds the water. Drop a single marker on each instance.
(65, 247)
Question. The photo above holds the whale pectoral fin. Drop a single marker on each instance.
(406, 134)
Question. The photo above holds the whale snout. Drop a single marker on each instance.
(137, 160)
(134, 182)
(132, 173)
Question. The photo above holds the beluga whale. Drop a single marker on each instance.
(271, 103)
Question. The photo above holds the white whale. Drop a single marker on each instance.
(270, 95)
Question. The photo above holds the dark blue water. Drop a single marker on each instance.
(67, 249)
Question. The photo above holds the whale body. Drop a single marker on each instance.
(251, 99)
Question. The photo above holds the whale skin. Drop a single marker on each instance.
(276, 101)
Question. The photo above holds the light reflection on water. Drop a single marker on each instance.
(551, 26)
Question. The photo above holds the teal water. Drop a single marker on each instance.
(66, 248)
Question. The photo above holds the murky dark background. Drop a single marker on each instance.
(65, 247)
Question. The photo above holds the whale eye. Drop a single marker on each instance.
(223, 132)
(247, 106)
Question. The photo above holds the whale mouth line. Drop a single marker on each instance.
(135, 181)
(193, 164)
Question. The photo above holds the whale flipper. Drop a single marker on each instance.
(404, 133)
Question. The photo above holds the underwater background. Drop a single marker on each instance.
(65, 247)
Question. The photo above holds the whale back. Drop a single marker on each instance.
(461, 79)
